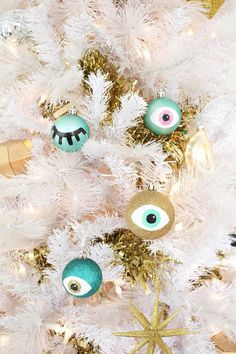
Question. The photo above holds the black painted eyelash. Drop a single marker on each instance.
(68, 136)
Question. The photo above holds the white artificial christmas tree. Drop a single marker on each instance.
(110, 59)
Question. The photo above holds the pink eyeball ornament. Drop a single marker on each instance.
(163, 116)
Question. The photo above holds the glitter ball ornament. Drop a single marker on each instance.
(13, 26)
(82, 277)
(70, 132)
(150, 215)
(163, 116)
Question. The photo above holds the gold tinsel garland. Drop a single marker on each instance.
(174, 144)
(94, 61)
(208, 274)
(211, 7)
(81, 345)
(37, 259)
(133, 253)
(52, 111)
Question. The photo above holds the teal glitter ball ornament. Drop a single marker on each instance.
(70, 132)
(163, 116)
(82, 277)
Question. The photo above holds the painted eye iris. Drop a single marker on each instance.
(150, 217)
(76, 286)
(163, 116)
(166, 118)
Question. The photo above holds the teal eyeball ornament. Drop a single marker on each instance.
(150, 215)
(82, 277)
(163, 116)
(70, 132)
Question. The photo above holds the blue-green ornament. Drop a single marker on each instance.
(82, 277)
(70, 132)
(163, 116)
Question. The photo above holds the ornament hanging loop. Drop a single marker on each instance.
(73, 110)
(151, 187)
(161, 94)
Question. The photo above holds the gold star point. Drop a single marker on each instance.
(154, 331)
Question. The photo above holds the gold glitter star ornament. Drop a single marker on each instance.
(155, 330)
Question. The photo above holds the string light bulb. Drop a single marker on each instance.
(4, 339)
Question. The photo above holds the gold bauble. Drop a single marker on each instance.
(150, 215)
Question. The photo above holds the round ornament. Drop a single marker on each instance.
(70, 132)
(82, 277)
(163, 116)
(150, 215)
(13, 26)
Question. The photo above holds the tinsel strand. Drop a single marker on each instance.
(133, 253)
(211, 7)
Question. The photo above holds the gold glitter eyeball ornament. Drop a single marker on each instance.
(150, 215)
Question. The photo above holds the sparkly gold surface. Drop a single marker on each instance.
(153, 198)
(81, 345)
(133, 253)
(51, 111)
(174, 144)
(37, 259)
(208, 274)
(211, 7)
(95, 61)
(154, 330)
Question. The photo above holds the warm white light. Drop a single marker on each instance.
(146, 54)
(30, 209)
(4, 339)
(179, 227)
(22, 269)
(57, 328)
(175, 188)
(190, 31)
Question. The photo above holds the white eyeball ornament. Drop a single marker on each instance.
(150, 215)
(163, 116)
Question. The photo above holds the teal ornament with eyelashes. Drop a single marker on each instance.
(70, 132)
(150, 215)
(163, 116)
(82, 277)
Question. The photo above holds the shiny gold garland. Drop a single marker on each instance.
(208, 274)
(174, 144)
(37, 259)
(81, 345)
(94, 61)
(50, 109)
(133, 253)
(211, 7)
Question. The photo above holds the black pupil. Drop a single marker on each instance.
(74, 287)
(151, 218)
(166, 117)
